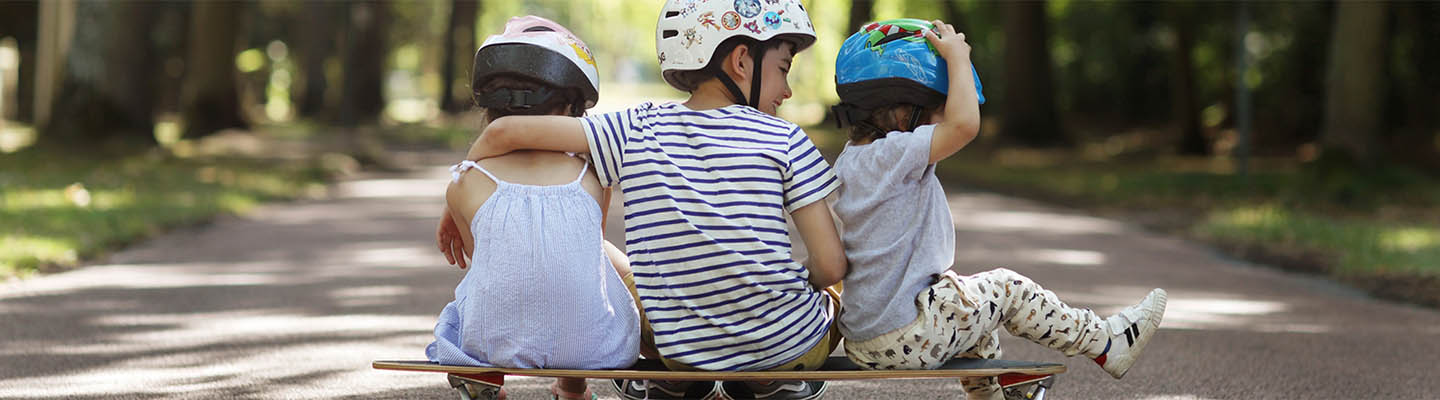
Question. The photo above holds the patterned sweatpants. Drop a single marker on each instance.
(959, 316)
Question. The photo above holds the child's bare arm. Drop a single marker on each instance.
(448, 239)
(454, 198)
(961, 121)
(529, 132)
(827, 263)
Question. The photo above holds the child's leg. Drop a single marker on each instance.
(983, 388)
(571, 388)
(946, 325)
(1029, 311)
(1032, 312)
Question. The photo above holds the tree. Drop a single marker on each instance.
(362, 96)
(210, 100)
(317, 42)
(1354, 88)
(1186, 110)
(861, 11)
(1030, 118)
(19, 19)
(104, 92)
(459, 44)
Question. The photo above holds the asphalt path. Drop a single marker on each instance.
(295, 300)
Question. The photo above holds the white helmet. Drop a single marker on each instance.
(689, 30)
(541, 50)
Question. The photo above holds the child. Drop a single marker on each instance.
(543, 291)
(904, 309)
(708, 184)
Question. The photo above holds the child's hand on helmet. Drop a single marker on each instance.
(950, 44)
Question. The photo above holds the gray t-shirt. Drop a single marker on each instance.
(898, 230)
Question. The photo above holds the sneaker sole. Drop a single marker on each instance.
(819, 393)
(1151, 326)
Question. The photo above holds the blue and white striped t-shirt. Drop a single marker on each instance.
(706, 194)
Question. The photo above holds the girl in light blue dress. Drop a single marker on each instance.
(544, 289)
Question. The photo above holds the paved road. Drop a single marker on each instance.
(295, 300)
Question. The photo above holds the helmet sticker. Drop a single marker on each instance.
(748, 8)
(772, 20)
(708, 20)
(754, 27)
(876, 33)
(690, 8)
(731, 20)
(691, 38)
(583, 53)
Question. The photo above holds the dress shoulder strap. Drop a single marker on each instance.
(460, 168)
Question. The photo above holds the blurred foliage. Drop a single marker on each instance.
(1369, 222)
(54, 214)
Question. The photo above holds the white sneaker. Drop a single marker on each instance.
(1130, 330)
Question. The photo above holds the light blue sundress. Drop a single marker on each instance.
(540, 291)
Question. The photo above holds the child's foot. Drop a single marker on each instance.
(777, 390)
(648, 389)
(1130, 330)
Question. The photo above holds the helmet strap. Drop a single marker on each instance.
(914, 118)
(514, 99)
(739, 96)
(758, 55)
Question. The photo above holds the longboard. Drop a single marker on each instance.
(1034, 377)
(836, 368)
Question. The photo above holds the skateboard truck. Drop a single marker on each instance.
(477, 387)
(1026, 387)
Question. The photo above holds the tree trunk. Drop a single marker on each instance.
(1182, 84)
(1030, 118)
(316, 44)
(459, 46)
(104, 94)
(861, 11)
(19, 19)
(362, 98)
(1355, 83)
(951, 13)
(210, 99)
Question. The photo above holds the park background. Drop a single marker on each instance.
(1302, 134)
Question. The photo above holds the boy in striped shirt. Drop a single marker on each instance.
(708, 184)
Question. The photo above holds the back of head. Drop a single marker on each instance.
(692, 36)
(886, 65)
(535, 67)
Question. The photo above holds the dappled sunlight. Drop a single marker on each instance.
(381, 188)
(1066, 257)
(250, 359)
(410, 254)
(1038, 222)
(1412, 239)
(1234, 314)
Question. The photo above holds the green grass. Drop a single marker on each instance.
(59, 209)
(1364, 246)
(1371, 222)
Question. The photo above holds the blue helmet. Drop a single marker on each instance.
(890, 62)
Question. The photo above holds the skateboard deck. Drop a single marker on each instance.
(836, 368)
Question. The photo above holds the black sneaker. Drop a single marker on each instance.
(639, 389)
(787, 390)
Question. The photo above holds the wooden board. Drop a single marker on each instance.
(836, 368)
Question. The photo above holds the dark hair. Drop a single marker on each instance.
(882, 120)
(555, 105)
(689, 80)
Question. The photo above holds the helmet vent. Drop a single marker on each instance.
(669, 33)
(671, 14)
(539, 29)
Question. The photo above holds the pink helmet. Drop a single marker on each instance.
(537, 49)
